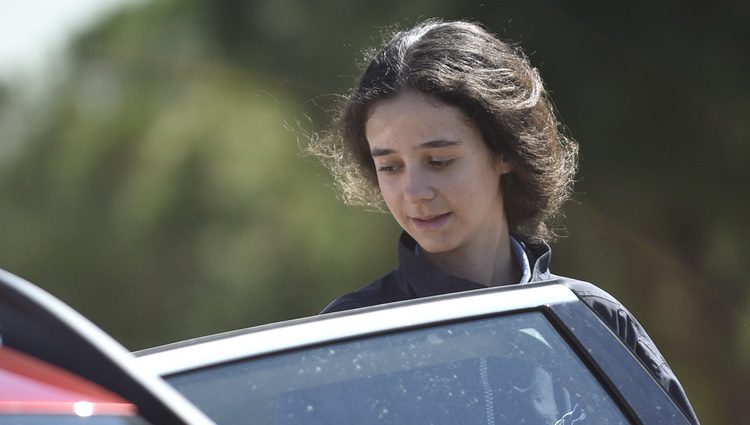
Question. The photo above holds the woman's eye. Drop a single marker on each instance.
(387, 169)
(441, 163)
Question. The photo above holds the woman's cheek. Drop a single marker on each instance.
(390, 197)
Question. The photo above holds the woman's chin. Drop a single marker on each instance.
(434, 245)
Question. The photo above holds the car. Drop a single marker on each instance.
(531, 354)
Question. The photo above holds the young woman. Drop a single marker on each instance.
(452, 129)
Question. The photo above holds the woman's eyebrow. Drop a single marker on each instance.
(380, 152)
(438, 144)
(432, 144)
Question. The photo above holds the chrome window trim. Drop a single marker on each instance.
(352, 323)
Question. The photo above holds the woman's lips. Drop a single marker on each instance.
(431, 222)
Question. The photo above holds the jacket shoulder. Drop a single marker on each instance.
(632, 334)
(613, 314)
(383, 290)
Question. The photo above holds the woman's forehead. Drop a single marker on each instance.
(411, 121)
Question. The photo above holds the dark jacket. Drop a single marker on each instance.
(416, 277)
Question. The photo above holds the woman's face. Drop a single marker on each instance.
(437, 176)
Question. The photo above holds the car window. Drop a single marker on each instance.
(500, 370)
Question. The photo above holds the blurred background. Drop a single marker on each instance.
(152, 176)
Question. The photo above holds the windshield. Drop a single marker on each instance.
(500, 370)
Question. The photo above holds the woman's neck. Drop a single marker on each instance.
(488, 261)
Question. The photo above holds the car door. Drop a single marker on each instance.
(533, 355)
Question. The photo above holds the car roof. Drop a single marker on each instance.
(260, 340)
(32, 386)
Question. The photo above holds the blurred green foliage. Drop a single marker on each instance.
(160, 188)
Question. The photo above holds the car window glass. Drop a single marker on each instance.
(500, 370)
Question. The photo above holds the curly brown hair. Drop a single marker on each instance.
(462, 64)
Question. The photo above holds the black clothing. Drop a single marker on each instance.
(416, 277)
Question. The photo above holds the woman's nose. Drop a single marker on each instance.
(417, 186)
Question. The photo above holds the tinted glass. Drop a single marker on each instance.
(501, 370)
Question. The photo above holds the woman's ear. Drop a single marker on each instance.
(503, 165)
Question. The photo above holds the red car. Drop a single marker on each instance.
(33, 391)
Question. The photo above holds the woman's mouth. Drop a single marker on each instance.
(431, 222)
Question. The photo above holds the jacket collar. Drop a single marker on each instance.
(424, 279)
